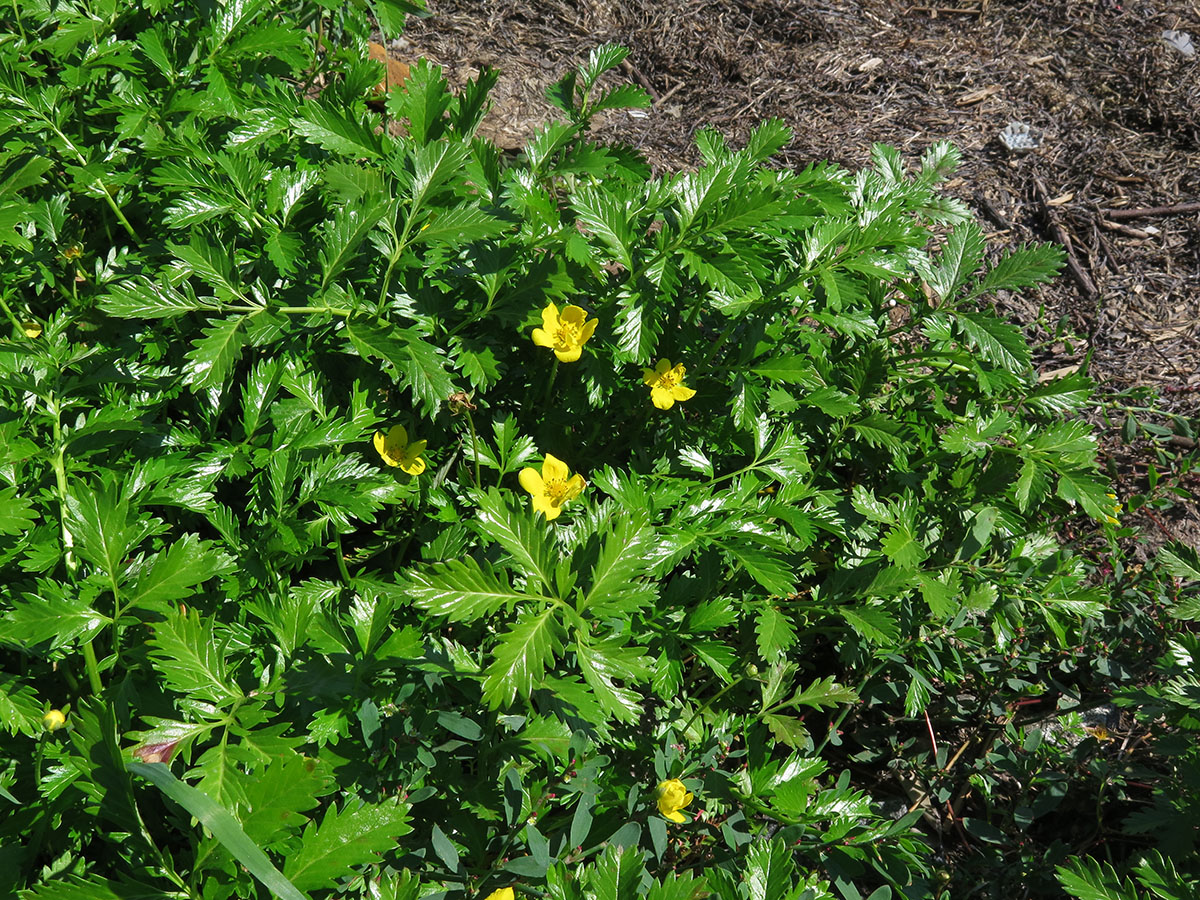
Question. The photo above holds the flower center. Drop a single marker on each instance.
(567, 334)
(556, 490)
(668, 379)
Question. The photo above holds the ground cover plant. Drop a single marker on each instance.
(389, 516)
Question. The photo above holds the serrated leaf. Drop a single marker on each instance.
(351, 837)
(602, 663)
(521, 656)
(1022, 268)
(788, 729)
(996, 341)
(769, 870)
(1181, 561)
(873, 623)
(336, 130)
(214, 355)
(518, 533)
(420, 362)
(769, 571)
(617, 874)
(173, 573)
(622, 560)
(279, 796)
(959, 259)
(606, 217)
(143, 298)
(1088, 879)
(774, 631)
(822, 693)
(462, 590)
(191, 660)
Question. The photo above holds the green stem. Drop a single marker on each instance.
(58, 461)
(837, 723)
(340, 554)
(474, 446)
(550, 382)
(710, 701)
(17, 18)
(11, 315)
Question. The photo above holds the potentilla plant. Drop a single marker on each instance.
(387, 517)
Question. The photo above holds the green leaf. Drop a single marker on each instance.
(461, 225)
(422, 101)
(823, 692)
(143, 298)
(602, 663)
(769, 870)
(186, 652)
(788, 729)
(959, 260)
(617, 874)
(279, 796)
(17, 514)
(872, 623)
(223, 826)
(789, 370)
(902, 547)
(344, 235)
(1022, 268)
(622, 559)
(1088, 879)
(420, 363)
(607, 218)
(518, 532)
(51, 616)
(351, 837)
(1181, 561)
(94, 887)
(774, 631)
(174, 573)
(521, 656)
(335, 130)
(769, 571)
(213, 356)
(998, 342)
(101, 523)
(462, 590)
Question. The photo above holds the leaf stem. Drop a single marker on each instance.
(340, 556)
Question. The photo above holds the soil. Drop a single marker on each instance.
(1116, 175)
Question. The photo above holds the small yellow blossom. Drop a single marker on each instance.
(672, 797)
(32, 329)
(502, 894)
(666, 384)
(1115, 508)
(564, 333)
(54, 720)
(397, 451)
(552, 487)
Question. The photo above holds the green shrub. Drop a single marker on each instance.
(277, 416)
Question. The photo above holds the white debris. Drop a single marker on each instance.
(1019, 137)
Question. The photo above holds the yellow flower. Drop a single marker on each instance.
(397, 451)
(32, 329)
(1116, 510)
(565, 334)
(54, 720)
(502, 894)
(552, 487)
(666, 384)
(672, 797)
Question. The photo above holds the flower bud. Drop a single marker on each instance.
(54, 720)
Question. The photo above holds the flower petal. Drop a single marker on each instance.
(574, 488)
(398, 437)
(550, 317)
(542, 338)
(662, 397)
(679, 392)
(573, 315)
(664, 366)
(531, 480)
(589, 328)
(571, 354)
(413, 465)
(554, 469)
(675, 816)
